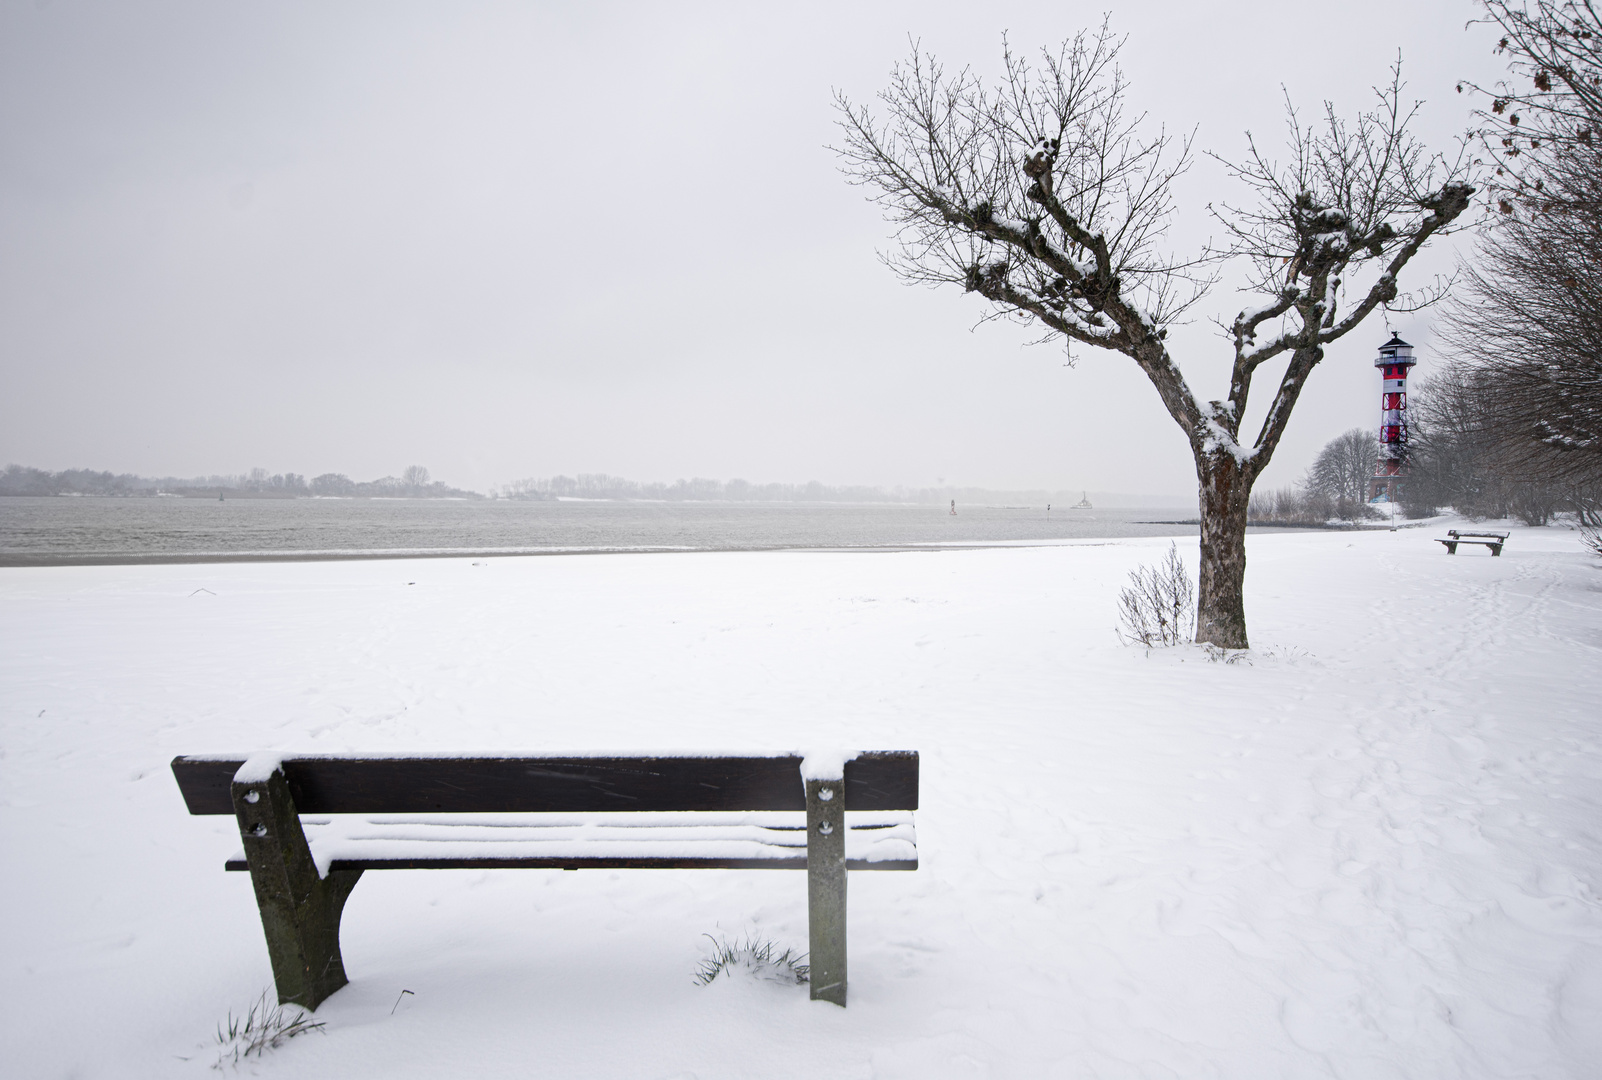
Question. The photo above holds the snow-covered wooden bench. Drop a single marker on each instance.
(1492, 540)
(568, 813)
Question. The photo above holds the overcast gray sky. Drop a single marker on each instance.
(509, 240)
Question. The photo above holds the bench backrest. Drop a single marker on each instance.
(878, 780)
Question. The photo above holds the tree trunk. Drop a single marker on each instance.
(1220, 603)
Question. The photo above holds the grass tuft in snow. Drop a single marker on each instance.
(1159, 606)
(752, 959)
(264, 1027)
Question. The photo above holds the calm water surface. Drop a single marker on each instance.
(61, 531)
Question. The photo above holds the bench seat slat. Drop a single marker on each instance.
(884, 841)
(592, 863)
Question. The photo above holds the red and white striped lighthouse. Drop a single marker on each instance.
(1395, 358)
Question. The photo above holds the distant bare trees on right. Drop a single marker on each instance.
(1514, 422)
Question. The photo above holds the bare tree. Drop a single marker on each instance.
(1461, 453)
(1343, 470)
(1448, 444)
(1530, 316)
(1530, 320)
(1554, 101)
(333, 484)
(1041, 194)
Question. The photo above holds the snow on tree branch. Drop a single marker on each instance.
(1355, 200)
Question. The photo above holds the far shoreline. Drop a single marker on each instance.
(13, 561)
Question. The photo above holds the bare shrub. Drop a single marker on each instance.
(1417, 502)
(1592, 539)
(1272, 504)
(1356, 510)
(754, 959)
(264, 1027)
(1291, 506)
(1159, 606)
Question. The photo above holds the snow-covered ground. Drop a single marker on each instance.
(1370, 848)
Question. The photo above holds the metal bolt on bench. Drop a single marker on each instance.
(557, 813)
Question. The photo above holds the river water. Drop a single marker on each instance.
(67, 531)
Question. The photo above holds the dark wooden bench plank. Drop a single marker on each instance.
(885, 780)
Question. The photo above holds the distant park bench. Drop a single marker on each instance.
(563, 813)
(1492, 540)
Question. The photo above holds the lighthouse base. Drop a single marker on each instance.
(1386, 487)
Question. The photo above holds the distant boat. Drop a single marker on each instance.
(1083, 503)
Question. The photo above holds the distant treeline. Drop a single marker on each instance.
(414, 483)
(602, 486)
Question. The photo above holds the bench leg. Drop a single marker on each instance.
(1496, 549)
(1451, 549)
(826, 889)
(300, 911)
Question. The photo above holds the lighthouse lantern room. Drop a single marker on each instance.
(1395, 359)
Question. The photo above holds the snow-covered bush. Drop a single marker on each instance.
(1159, 606)
(1592, 539)
(760, 960)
